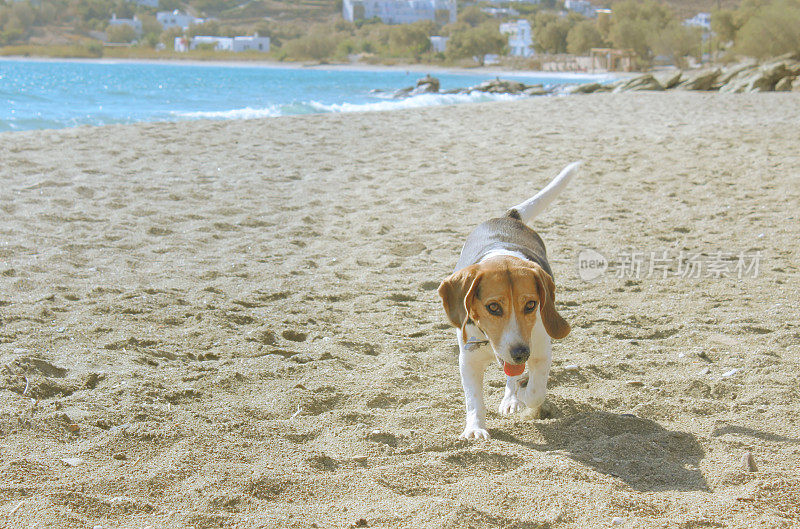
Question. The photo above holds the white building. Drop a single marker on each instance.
(236, 44)
(701, 20)
(439, 44)
(176, 19)
(400, 11)
(500, 12)
(134, 22)
(256, 43)
(520, 37)
(584, 7)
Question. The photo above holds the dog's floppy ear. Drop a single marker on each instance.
(454, 292)
(554, 324)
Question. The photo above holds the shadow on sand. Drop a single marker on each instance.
(640, 452)
(732, 429)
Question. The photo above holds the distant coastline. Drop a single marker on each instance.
(419, 68)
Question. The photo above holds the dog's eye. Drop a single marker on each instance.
(530, 307)
(494, 308)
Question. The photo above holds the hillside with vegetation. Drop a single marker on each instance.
(314, 30)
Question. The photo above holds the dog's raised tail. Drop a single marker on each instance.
(528, 210)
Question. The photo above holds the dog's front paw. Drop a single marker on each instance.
(473, 432)
(511, 405)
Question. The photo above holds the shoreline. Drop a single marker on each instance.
(355, 67)
(358, 88)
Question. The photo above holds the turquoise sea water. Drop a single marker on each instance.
(55, 94)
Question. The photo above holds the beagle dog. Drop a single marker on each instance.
(501, 300)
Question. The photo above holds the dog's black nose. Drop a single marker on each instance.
(520, 353)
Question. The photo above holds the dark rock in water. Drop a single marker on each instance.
(430, 85)
(536, 90)
(499, 86)
(427, 85)
(403, 92)
(424, 89)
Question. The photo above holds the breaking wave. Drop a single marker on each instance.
(314, 107)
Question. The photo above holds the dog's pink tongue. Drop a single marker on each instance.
(513, 370)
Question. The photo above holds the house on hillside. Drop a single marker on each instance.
(176, 19)
(500, 12)
(400, 11)
(235, 44)
(439, 44)
(700, 20)
(134, 22)
(520, 37)
(583, 7)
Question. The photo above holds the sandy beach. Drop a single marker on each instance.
(235, 324)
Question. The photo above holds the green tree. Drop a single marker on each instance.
(150, 26)
(121, 33)
(677, 41)
(210, 27)
(169, 5)
(584, 36)
(722, 24)
(24, 13)
(747, 10)
(550, 32)
(630, 34)
(475, 42)
(473, 16)
(647, 11)
(11, 29)
(773, 30)
(95, 13)
(214, 7)
(635, 23)
(319, 44)
(604, 25)
(409, 40)
(168, 36)
(47, 14)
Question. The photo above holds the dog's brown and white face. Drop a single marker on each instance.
(504, 297)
